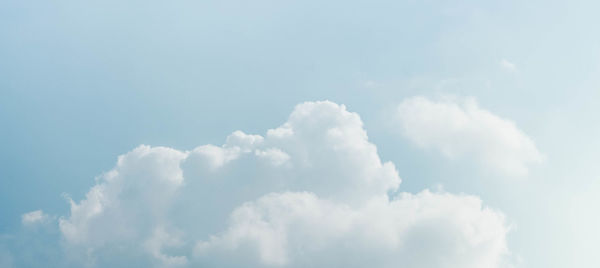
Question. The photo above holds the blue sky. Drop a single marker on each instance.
(84, 82)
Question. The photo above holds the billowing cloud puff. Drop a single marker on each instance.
(294, 229)
(460, 128)
(310, 193)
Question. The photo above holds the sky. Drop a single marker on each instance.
(299, 133)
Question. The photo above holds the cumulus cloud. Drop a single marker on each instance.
(298, 229)
(458, 127)
(34, 217)
(310, 193)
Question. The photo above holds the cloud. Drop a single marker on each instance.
(370, 84)
(34, 217)
(508, 66)
(310, 193)
(295, 229)
(459, 128)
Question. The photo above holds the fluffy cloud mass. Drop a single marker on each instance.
(310, 193)
(460, 128)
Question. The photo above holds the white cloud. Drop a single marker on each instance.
(460, 128)
(159, 239)
(301, 230)
(508, 66)
(370, 84)
(34, 217)
(310, 193)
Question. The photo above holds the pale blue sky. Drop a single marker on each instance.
(82, 82)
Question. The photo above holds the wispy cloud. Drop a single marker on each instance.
(34, 217)
(508, 66)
